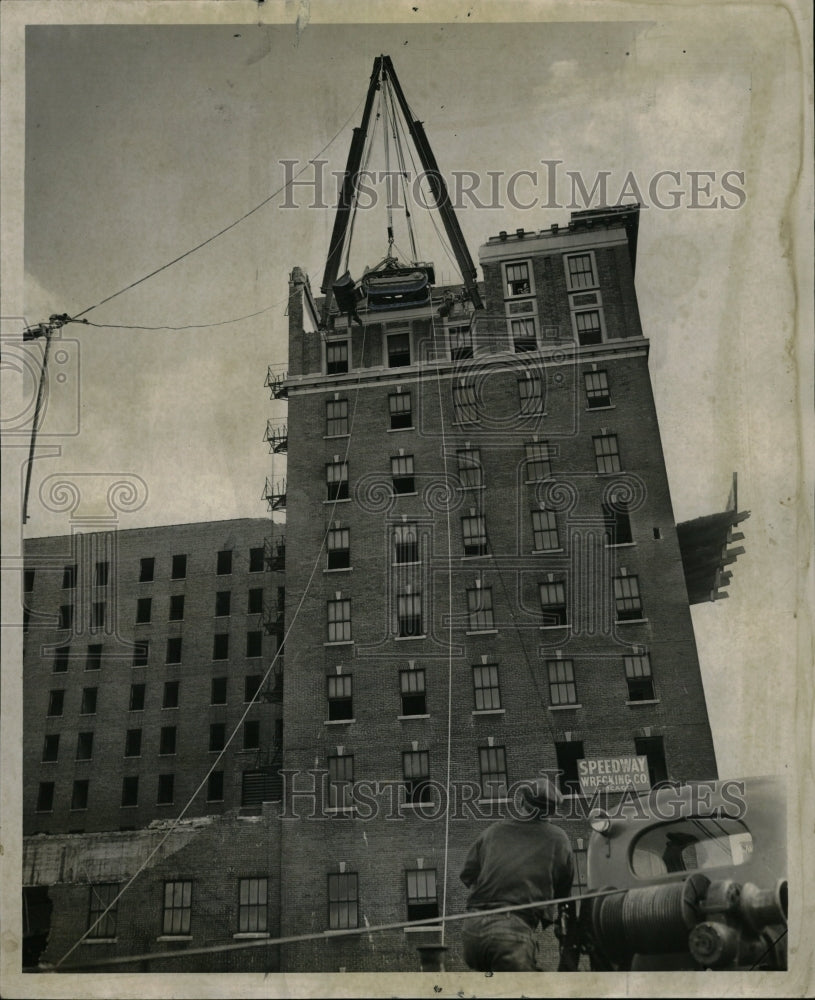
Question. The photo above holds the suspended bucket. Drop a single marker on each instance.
(398, 288)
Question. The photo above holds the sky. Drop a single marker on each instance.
(142, 141)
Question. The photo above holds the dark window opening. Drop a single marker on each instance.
(422, 899)
(340, 701)
(147, 567)
(179, 570)
(653, 747)
(412, 692)
(84, 746)
(215, 787)
(255, 602)
(336, 358)
(251, 734)
(144, 610)
(176, 608)
(220, 646)
(171, 689)
(618, 523)
(416, 773)
(224, 562)
(166, 784)
(137, 697)
(174, 649)
(398, 350)
(401, 412)
(223, 603)
(141, 651)
(217, 736)
(133, 743)
(254, 644)
(79, 794)
(256, 559)
(568, 754)
(218, 691)
(130, 790)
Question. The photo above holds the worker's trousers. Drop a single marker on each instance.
(500, 942)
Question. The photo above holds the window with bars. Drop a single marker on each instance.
(215, 786)
(343, 900)
(492, 764)
(538, 462)
(256, 559)
(398, 350)
(179, 567)
(607, 453)
(144, 610)
(60, 663)
(251, 734)
(409, 615)
(177, 914)
(567, 755)
(88, 705)
(341, 781)
(562, 688)
(84, 746)
(217, 694)
(141, 653)
(50, 749)
(223, 603)
(133, 743)
(173, 650)
(137, 692)
(474, 531)
(79, 794)
(130, 790)
(412, 692)
(253, 905)
(339, 548)
(171, 692)
(166, 789)
(465, 403)
(553, 603)
(400, 408)
(517, 278)
(480, 615)
(336, 357)
(220, 646)
(627, 601)
(406, 543)
(581, 271)
(530, 395)
(102, 910)
(45, 796)
(416, 773)
(223, 562)
(402, 474)
(176, 613)
(524, 334)
(147, 568)
(470, 471)
(544, 530)
(422, 896)
(340, 700)
(336, 480)
(336, 417)
(66, 617)
(69, 575)
(618, 523)
(461, 342)
(589, 327)
(56, 702)
(254, 602)
(486, 688)
(597, 392)
(166, 746)
(102, 573)
(339, 620)
(638, 677)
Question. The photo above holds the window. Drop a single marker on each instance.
(553, 603)
(416, 772)
(400, 408)
(256, 559)
(102, 910)
(618, 523)
(28, 581)
(26, 619)
(144, 609)
(137, 697)
(538, 463)
(147, 567)
(517, 279)
(141, 652)
(474, 530)
(339, 620)
(479, 609)
(422, 900)
(530, 395)
(251, 686)
(50, 749)
(469, 468)
(69, 574)
(606, 453)
(56, 702)
(465, 403)
(176, 608)
(589, 327)
(402, 472)
(340, 703)
(486, 688)
(84, 746)
(580, 271)
(174, 649)
(638, 677)
(251, 734)
(461, 342)
(254, 644)
(133, 743)
(653, 747)
(597, 394)
(336, 479)
(66, 616)
(341, 781)
(406, 543)
(223, 601)
(166, 745)
(627, 602)
(398, 350)
(524, 334)
(253, 895)
(166, 783)
(61, 654)
(88, 706)
(102, 574)
(492, 762)
(98, 614)
(223, 562)
(130, 790)
(568, 754)
(220, 646)
(177, 908)
(218, 691)
(562, 689)
(409, 615)
(339, 548)
(690, 845)
(45, 797)
(179, 570)
(343, 901)
(217, 736)
(254, 604)
(412, 691)
(336, 417)
(79, 794)
(170, 699)
(544, 530)
(336, 357)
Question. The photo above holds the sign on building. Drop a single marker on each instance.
(613, 774)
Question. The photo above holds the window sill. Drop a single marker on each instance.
(488, 711)
(100, 940)
(434, 928)
(408, 638)
(251, 935)
(547, 628)
(407, 493)
(341, 642)
(483, 631)
(339, 569)
(563, 708)
(248, 750)
(333, 437)
(621, 545)
(338, 500)
(338, 722)
(608, 406)
(477, 555)
(644, 701)
(424, 715)
(480, 486)
(413, 562)
(613, 472)
(174, 937)
(395, 430)
(630, 621)
(545, 552)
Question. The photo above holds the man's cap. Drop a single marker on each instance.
(542, 793)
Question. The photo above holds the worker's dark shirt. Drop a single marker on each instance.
(519, 861)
